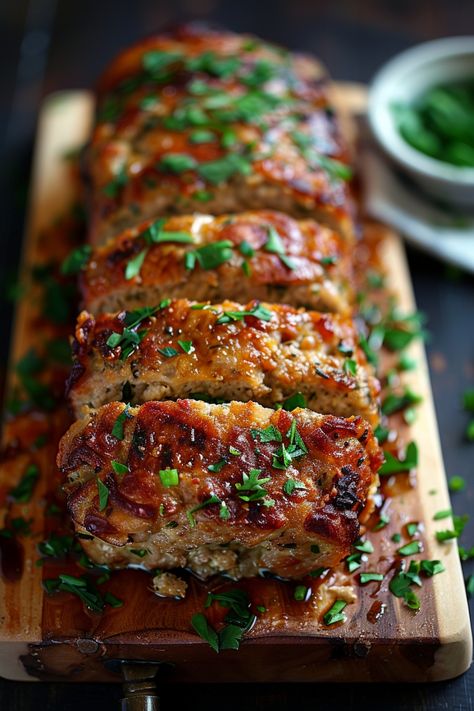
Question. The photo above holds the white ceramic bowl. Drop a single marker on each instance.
(402, 80)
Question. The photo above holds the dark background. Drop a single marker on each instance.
(46, 45)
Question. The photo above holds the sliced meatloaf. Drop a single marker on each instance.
(260, 351)
(197, 120)
(264, 255)
(233, 488)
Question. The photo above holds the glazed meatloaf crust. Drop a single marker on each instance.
(199, 120)
(262, 352)
(233, 488)
(264, 255)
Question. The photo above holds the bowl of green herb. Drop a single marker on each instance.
(421, 111)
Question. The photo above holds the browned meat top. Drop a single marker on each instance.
(262, 247)
(236, 472)
(182, 114)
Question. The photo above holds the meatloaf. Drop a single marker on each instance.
(262, 352)
(196, 120)
(233, 488)
(264, 255)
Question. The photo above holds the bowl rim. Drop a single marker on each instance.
(400, 151)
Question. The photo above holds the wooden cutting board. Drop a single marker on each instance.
(53, 637)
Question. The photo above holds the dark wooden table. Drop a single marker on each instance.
(48, 45)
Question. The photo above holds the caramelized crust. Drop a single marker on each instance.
(251, 124)
(218, 351)
(318, 276)
(305, 514)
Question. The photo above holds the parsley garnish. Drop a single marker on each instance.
(294, 401)
(257, 311)
(220, 170)
(274, 245)
(211, 500)
(209, 256)
(103, 494)
(335, 613)
(252, 484)
(84, 589)
(238, 620)
(411, 548)
(292, 484)
(177, 162)
(295, 449)
(129, 339)
(392, 465)
(169, 477)
(76, 260)
(300, 593)
(23, 491)
(217, 466)
(118, 428)
(370, 578)
(119, 468)
(400, 585)
(350, 367)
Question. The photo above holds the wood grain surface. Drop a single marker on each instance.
(53, 637)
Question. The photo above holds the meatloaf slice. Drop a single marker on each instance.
(264, 255)
(233, 488)
(262, 352)
(197, 119)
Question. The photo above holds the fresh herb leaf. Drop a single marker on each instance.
(211, 500)
(431, 567)
(118, 428)
(23, 491)
(168, 351)
(291, 484)
(294, 401)
(177, 163)
(257, 311)
(411, 548)
(275, 245)
(76, 260)
(457, 483)
(252, 484)
(366, 578)
(103, 494)
(217, 466)
(135, 264)
(300, 593)
(169, 477)
(119, 468)
(439, 515)
(335, 614)
(392, 465)
(210, 256)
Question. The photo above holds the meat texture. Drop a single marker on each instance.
(259, 352)
(264, 255)
(197, 119)
(231, 489)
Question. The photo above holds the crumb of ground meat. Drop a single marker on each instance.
(169, 585)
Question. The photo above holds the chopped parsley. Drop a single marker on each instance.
(130, 339)
(217, 466)
(211, 500)
(274, 245)
(118, 428)
(411, 548)
(177, 163)
(431, 567)
(222, 169)
(119, 468)
(394, 403)
(439, 515)
(300, 593)
(350, 367)
(294, 401)
(335, 614)
(76, 260)
(291, 485)
(253, 485)
(84, 589)
(238, 620)
(295, 449)
(103, 492)
(209, 256)
(400, 585)
(366, 578)
(169, 477)
(23, 491)
(456, 483)
(257, 311)
(392, 465)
